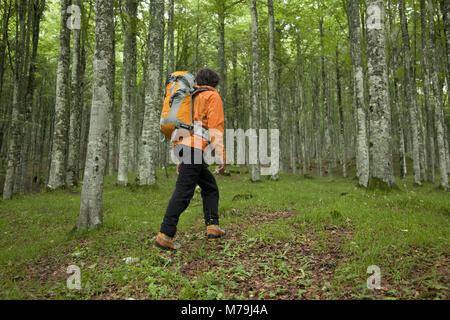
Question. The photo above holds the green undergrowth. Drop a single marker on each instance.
(294, 238)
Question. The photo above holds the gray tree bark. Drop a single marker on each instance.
(7, 5)
(343, 144)
(410, 88)
(13, 145)
(380, 146)
(221, 56)
(170, 39)
(126, 146)
(35, 11)
(72, 174)
(445, 8)
(111, 130)
(62, 104)
(256, 85)
(91, 211)
(437, 93)
(362, 151)
(150, 132)
(429, 106)
(273, 85)
(325, 104)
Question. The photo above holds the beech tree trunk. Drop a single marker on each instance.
(437, 94)
(35, 12)
(91, 212)
(256, 86)
(429, 106)
(326, 107)
(148, 153)
(126, 146)
(72, 174)
(362, 151)
(273, 108)
(13, 145)
(410, 90)
(342, 144)
(62, 103)
(380, 146)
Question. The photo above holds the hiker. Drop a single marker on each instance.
(192, 168)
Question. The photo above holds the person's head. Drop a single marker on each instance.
(207, 77)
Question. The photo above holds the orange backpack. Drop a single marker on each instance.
(177, 112)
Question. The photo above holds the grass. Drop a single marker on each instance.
(296, 238)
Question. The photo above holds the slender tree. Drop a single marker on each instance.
(343, 144)
(150, 131)
(272, 101)
(325, 104)
(437, 94)
(91, 212)
(410, 96)
(111, 132)
(62, 103)
(380, 146)
(72, 174)
(13, 145)
(126, 151)
(445, 8)
(362, 151)
(256, 85)
(429, 106)
(170, 37)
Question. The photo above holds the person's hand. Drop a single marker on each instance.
(178, 168)
(222, 168)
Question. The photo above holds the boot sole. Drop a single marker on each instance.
(212, 237)
(164, 248)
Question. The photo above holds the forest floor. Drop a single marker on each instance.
(301, 237)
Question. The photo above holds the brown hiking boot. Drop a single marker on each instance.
(214, 232)
(166, 243)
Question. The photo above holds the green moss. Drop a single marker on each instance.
(379, 184)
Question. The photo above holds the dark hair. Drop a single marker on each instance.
(207, 77)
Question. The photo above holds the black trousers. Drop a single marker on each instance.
(191, 173)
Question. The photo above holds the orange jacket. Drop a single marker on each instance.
(208, 109)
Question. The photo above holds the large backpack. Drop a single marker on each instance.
(177, 112)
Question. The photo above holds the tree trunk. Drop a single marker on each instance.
(437, 93)
(150, 131)
(256, 86)
(111, 132)
(72, 174)
(171, 38)
(410, 90)
(221, 57)
(58, 156)
(343, 144)
(273, 107)
(91, 212)
(429, 106)
(3, 45)
(362, 152)
(380, 147)
(326, 108)
(445, 7)
(126, 146)
(13, 145)
(36, 11)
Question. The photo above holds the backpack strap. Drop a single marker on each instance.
(197, 90)
(200, 131)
